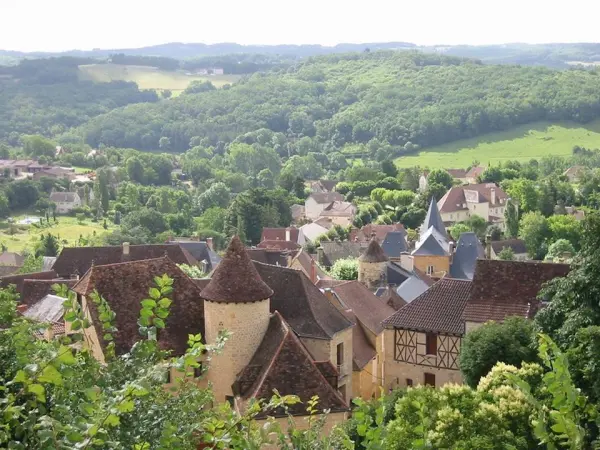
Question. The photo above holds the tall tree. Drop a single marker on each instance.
(511, 217)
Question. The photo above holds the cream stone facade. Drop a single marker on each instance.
(247, 323)
(432, 265)
(407, 362)
(371, 274)
(91, 339)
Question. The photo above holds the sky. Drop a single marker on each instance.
(58, 25)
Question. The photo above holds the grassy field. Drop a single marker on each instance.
(522, 143)
(149, 77)
(67, 229)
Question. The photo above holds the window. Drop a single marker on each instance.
(430, 379)
(229, 399)
(430, 270)
(198, 371)
(409, 382)
(168, 376)
(340, 355)
(431, 343)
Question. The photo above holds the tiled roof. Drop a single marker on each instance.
(329, 283)
(455, 199)
(439, 309)
(326, 197)
(369, 231)
(333, 250)
(468, 250)
(269, 256)
(312, 231)
(79, 259)
(301, 303)
(363, 351)
(374, 253)
(63, 197)
(282, 363)
(125, 285)
(309, 264)
(475, 171)
(394, 244)
(11, 259)
(34, 290)
(327, 185)
(508, 288)
(279, 245)
(457, 173)
(8, 270)
(236, 280)
(200, 251)
(365, 306)
(517, 245)
(49, 309)
(279, 234)
(18, 280)
(390, 297)
(433, 219)
(339, 209)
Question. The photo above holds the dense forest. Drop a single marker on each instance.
(404, 100)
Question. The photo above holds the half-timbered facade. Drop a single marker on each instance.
(422, 340)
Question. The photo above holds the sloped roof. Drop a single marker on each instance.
(200, 251)
(396, 274)
(18, 280)
(63, 197)
(271, 256)
(517, 245)
(236, 280)
(308, 263)
(338, 209)
(475, 171)
(374, 253)
(433, 219)
(35, 290)
(394, 244)
(282, 363)
(508, 288)
(326, 197)
(455, 198)
(390, 297)
(412, 288)
(125, 285)
(439, 309)
(79, 259)
(301, 303)
(279, 234)
(365, 306)
(280, 245)
(48, 262)
(363, 351)
(332, 251)
(468, 250)
(327, 185)
(370, 231)
(432, 243)
(48, 310)
(457, 173)
(11, 259)
(312, 231)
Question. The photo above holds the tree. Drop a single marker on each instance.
(524, 192)
(511, 216)
(135, 170)
(345, 269)
(506, 254)
(166, 93)
(48, 246)
(38, 146)
(164, 143)
(512, 342)
(217, 195)
(440, 176)
(560, 250)
(212, 219)
(565, 227)
(389, 168)
(31, 264)
(4, 208)
(477, 224)
(534, 231)
(457, 229)
(149, 219)
(494, 232)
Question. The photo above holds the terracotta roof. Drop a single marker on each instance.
(279, 245)
(34, 290)
(574, 170)
(323, 284)
(8, 270)
(517, 245)
(236, 280)
(309, 264)
(365, 306)
(301, 303)
(338, 209)
(455, 198)
(326, 197)
(269, 256)
(282, 363)
(363, 351)
(279, 234)
(390, 297)
(374, 253)
(367, 232)
(508, 288)
(63, 197)
(125, 285)
(457, 173)
(327, 185)
(79, 259)
(439, 309)
(18, 280)
(11, 259)
(475, 171)
(333, 250)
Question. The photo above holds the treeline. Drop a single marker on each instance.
(397, 100)
(239, 64)
(160, 62)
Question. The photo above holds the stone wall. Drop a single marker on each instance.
(441, 264)
(370, 274)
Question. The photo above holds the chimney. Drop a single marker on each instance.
(209, 243)
(488, 246)
(21, 309)
(451, 250)
(493, 196)
(125, 248)
(204, 266)
(313, 271)
(288, 234)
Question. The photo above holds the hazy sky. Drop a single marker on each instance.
(53, 25)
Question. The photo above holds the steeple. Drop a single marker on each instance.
(433, 219)
(374, 253)
(236, 280)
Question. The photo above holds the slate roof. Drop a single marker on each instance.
(394, 244)
(455, 198)
(18, 280)
(11, 259)
(125, 285)
(390, 297)
(326, 197)
(35, 290)
(277, 364)
(48, 262)
(432, 243)
(374, 253)
(439, 309)
(236, 280)
(200, 251)
(279, 234)
(468, 250)
(48, 310)
(508, 288)
(63, 197)
(396, 274)
(365, 306)
(8, 270)
(79, 259)
(332, 251)
(269, 256)
(433, 219)
(279, 245)
(517, 245)
(412, 288)
(301, 303)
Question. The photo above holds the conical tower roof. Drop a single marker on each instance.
(236, 280)
(374, 253)
(433, 219)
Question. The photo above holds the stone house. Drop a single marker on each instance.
(517, 245)
(329, 252)
(461, 202)
(472, 176)
(10, 262)
(306, 264)
(372, 266)
(312, 231)
(573, 173)
(322, 186)
(289, 234)
(318, 201)
(371, 230)
(65, 201)
(339, 213)
(56, 173)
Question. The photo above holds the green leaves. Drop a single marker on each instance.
(156, 308)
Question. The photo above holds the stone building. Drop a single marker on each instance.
(486, 200)
(371, 266)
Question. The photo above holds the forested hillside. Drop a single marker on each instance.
(361, 102)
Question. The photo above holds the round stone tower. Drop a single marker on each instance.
(372, 265)
(236, 300)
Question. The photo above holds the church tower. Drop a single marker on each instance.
(372, 265)
(238, 301)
